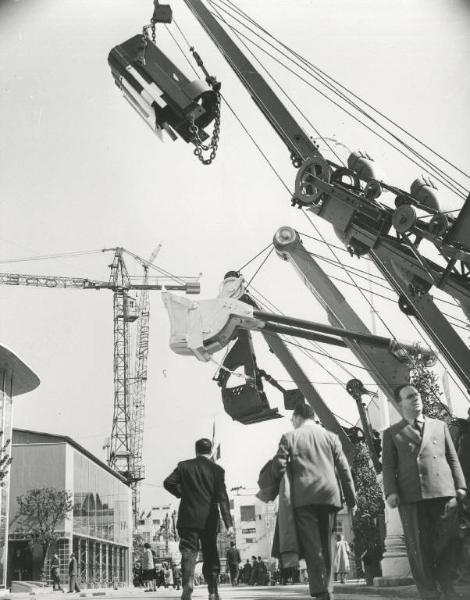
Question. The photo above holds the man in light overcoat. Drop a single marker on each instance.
(315, 460)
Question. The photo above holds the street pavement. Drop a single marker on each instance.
(350, 591)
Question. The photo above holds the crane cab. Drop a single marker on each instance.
(160, 93)
(131, 309)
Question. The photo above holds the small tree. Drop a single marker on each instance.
(425, 381)
(370, 504)
(40, 511)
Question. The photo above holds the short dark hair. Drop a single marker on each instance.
(232, 543)
(146, 545)
(398, 389)
(304, 410)
(203, 446)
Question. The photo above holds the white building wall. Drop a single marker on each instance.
(254, 523)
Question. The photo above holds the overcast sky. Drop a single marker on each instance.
(80, 171)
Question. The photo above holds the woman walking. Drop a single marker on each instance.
(341, 557)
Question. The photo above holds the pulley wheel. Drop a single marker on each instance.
(405, 306)
(307, 192)
(438, 225)
(404, 218)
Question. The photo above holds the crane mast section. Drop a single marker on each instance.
(291, 133)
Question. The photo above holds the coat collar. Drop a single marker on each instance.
(406, 428)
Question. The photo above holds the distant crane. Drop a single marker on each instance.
(125, 447)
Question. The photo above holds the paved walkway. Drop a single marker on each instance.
(294, 592)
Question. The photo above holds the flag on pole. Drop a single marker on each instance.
(217, 454)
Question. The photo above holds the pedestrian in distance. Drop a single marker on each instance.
(200, 483)
(233, 563)
(371, 560)
(423, 478)
(55, 574)
(247, 572)
(148, 568)
(73, 574)
(314, 459)
(168, 576)
(254, 571)
(262, 572)
(342, 552)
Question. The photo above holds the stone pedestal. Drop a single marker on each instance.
(395, 564)
(395, 561)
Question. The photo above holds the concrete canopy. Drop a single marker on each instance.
(16, 377)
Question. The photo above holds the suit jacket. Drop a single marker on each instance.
(200, 484)
(233, 556)
(317, 459)
(73, 566)
(420, 467)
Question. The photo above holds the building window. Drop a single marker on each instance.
(250, 530)
(231, 504)
(339, 526)
(250, 540)
(247, 513)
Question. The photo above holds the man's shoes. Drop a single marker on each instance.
(451, 594)
(324, 596)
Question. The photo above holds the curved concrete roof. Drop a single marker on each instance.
(15, 375)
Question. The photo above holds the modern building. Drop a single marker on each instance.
(254, 523)
(15, 378)
(99, 529)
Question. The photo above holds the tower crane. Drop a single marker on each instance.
(125, 452)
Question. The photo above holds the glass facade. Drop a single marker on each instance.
(101, 503)
(99, 529)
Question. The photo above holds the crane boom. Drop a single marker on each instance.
(347, 198)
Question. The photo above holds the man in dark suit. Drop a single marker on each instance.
(233, 563)
(315, 458)
(423, 478)
(200, 484)
(73, 574)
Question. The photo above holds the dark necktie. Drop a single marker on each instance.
(418, 427)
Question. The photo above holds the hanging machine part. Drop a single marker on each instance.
(161, 94)
(246, 403)
(202, 328)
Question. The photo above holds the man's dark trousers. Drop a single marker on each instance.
(234, 571)
(189, 546)
(315, 527)
(430, 535)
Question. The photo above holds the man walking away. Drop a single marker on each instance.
(200, 483)
(423, 478)
(55, 574)
(73, 573)
(314, 458)
(233, 562)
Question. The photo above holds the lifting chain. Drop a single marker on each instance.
(214, 142)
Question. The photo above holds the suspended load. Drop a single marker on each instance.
(246, 403)
(161, 94)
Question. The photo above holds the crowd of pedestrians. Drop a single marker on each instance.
(422, 478)
(312, 479)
